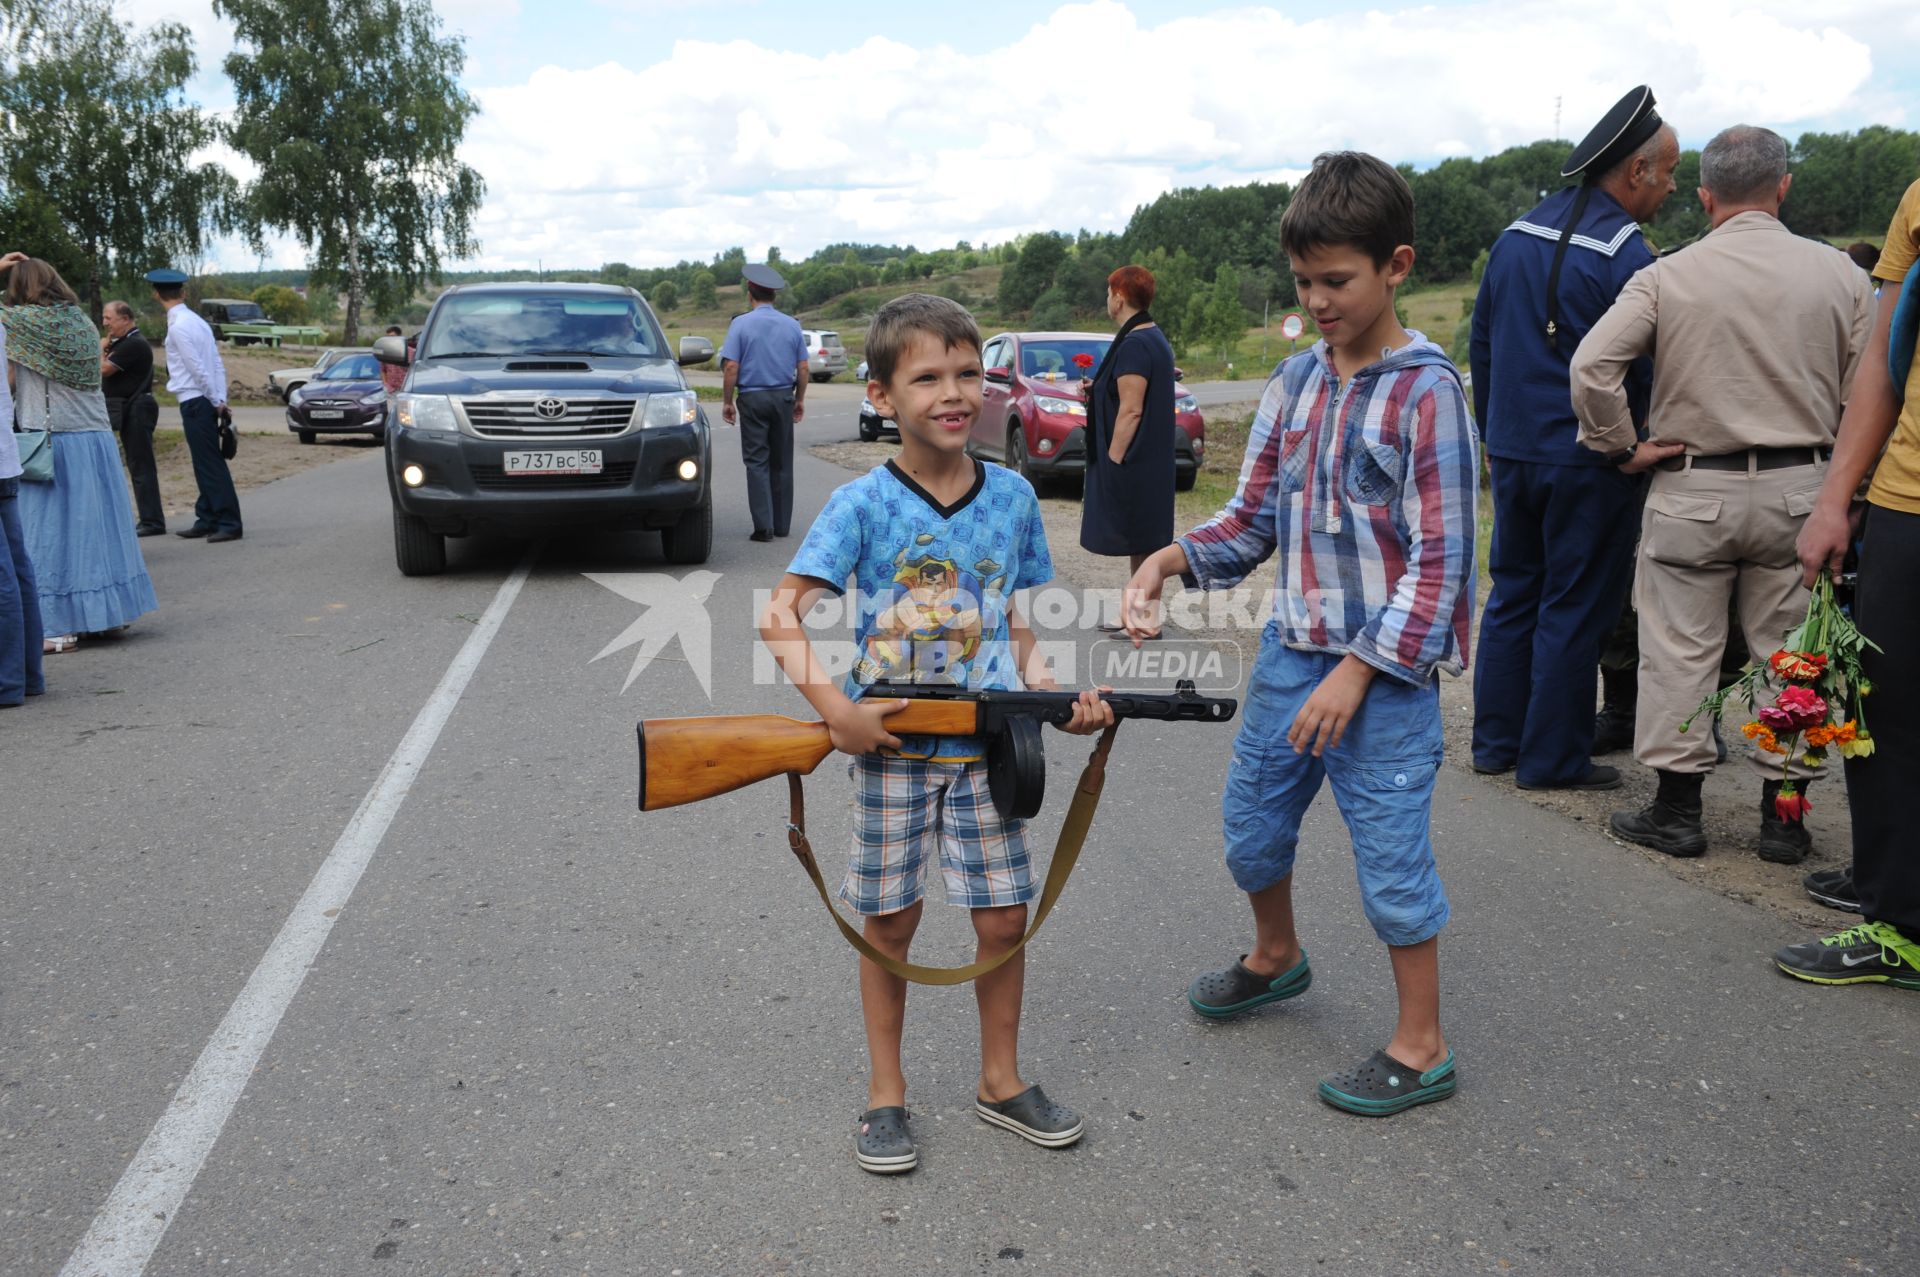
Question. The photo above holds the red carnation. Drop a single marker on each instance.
(1791, 805)
(1803, 707)
(1083, 361)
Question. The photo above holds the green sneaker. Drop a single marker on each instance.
(1871, 952)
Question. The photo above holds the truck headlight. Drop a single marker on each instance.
(424, 412)
(675, 408)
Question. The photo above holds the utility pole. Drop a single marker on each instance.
(1556, 117)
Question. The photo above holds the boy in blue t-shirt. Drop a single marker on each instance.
(937, 544)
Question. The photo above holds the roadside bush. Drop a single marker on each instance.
(282, 304)
(703, 298)
(1053, 309)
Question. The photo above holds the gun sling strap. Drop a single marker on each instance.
(1066, 851)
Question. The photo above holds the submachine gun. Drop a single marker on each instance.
(683, 760)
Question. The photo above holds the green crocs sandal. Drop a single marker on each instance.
(1382, 1086)
(1219, 994)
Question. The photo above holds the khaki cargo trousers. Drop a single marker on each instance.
(1708, 537)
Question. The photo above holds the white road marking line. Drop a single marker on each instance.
(128, 1228)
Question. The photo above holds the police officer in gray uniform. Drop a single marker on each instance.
(765, 363)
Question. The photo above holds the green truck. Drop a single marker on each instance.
(244, 323)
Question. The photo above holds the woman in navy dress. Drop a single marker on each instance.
(1128, 506)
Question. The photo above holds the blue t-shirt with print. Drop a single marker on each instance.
(932, 583)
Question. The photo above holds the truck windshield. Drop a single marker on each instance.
(509, 324)
(245, 313)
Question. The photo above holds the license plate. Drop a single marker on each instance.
(327, 414)
(572, 461)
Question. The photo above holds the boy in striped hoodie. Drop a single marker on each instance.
(1360, 474)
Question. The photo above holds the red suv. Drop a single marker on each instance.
(1033, 419)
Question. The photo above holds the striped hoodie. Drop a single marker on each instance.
(1368, 491)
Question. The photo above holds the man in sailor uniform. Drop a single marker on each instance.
(1565, 519)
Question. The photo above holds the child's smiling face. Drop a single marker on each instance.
(1346, 292)
(934, 394)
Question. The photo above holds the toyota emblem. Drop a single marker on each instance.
(551, 409)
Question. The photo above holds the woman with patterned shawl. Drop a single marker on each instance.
(79, 527)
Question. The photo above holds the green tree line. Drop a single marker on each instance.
(1208, 245)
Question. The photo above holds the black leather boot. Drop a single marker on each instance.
(1613, 725)
(1784, 842)
(1671, 823)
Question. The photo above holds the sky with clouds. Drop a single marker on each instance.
(648, 131)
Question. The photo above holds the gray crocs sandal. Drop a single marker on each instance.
(1219, 994)
(1383, 1086)
(881, 1143)
(1032, 1116)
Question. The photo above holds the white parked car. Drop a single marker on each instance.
(826, 357)
(288, 380)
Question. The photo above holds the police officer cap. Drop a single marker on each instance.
(764, 276)
(1619, 134)
(166, 275)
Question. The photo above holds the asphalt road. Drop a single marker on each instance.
(535, 1031)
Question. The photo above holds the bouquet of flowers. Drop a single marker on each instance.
(1819, 708)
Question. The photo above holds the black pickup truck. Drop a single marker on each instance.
(535, 406)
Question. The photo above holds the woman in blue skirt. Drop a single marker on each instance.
(79, 526)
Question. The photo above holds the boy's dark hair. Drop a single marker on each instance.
(895, 324)
(1349, 198)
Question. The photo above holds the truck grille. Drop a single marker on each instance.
(618, 474)
(522, 418)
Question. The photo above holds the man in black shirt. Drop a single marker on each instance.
(126, 378)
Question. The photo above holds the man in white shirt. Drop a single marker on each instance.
(198, 379)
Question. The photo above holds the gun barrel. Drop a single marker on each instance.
(1184, 704)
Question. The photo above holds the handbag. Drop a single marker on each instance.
(36, 455)
(36, 446)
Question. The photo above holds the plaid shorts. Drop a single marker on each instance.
(902, 809)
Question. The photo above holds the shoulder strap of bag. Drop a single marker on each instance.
(1066, 852)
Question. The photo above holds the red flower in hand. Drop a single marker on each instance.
(1791, 805)
(1798, 667)
(1083, 361)
(1802, 708)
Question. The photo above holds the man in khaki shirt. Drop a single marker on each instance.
(1756, 334)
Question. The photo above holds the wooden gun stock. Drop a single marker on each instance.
(683, 760)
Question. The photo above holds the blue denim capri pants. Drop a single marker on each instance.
(1382, 773)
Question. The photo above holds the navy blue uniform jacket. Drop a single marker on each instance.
(1521, 397)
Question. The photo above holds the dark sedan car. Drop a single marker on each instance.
(347, 398)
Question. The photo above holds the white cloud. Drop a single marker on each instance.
(1075, 121)
(1088, 112)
